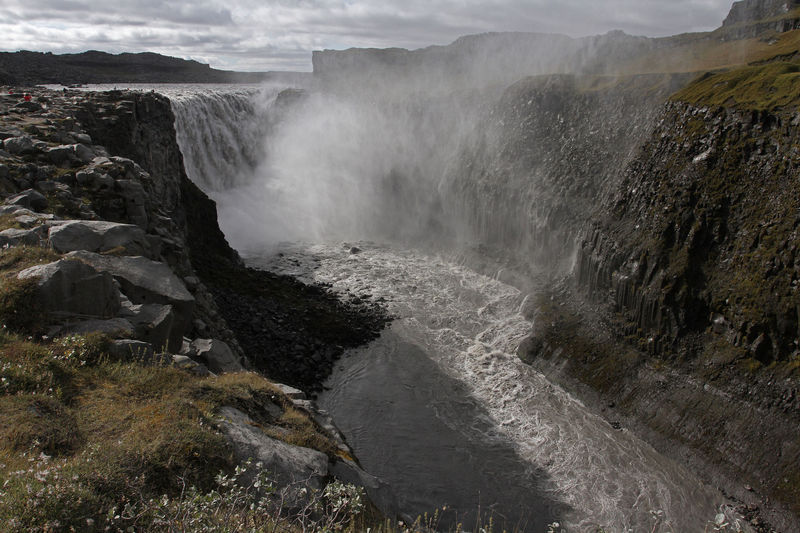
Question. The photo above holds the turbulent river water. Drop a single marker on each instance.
(442, 409)
(439, 406)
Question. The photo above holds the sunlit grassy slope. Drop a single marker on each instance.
(759, 73)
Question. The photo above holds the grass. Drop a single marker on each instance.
(82, 434)
(701, 52)
(9, 222)
(762, 87)
(18, 258)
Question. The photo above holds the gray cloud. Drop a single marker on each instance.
(280, 34)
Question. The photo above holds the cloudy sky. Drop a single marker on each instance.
(280, 34)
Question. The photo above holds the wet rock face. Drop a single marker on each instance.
(543, 156)
(694, 258)
(702, 233)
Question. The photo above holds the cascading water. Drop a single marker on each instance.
(224, 134)
(439, 406)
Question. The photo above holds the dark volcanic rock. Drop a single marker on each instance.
(292, 332)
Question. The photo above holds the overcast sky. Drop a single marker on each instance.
(280, 34)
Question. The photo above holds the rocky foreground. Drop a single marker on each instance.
(113, 272)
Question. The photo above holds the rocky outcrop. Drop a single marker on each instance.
(148, 282)
(152, 191)
(692, 266)
(135, 245)
(702, 231)
(99, 236)
(754, 10)
(293, 467)
(214, 354)
(69, 288)
(750, 19)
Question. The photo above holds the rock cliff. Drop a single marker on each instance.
(107, 249)
(691, 264)
(754, 10)
(529, 176)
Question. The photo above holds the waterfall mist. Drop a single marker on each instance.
(441, 146)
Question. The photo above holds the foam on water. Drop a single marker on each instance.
(469, 326)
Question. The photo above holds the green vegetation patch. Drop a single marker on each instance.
(762, 87)
(87, 441)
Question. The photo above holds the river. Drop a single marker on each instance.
(441, 408)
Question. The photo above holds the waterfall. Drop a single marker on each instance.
(320, 166)
(515, 170)
(222, 134)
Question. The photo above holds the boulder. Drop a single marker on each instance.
(216, 355)
(132, 350)
(153, 323)
(98, 236)
(379, 492)
(28, 198)
(94, 180)
(60, 155)
(70, 287)
(290, 392)
(83, 153)
(28, 106)
(48, 186)
(26, 221)
(19, 145)
(292, 468)
(11, 209)
(17, 237)
(144, 282)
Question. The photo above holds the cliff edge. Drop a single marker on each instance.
(127, 401)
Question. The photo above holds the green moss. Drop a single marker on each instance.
(763, 87)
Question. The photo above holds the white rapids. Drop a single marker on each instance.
(467, 327)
